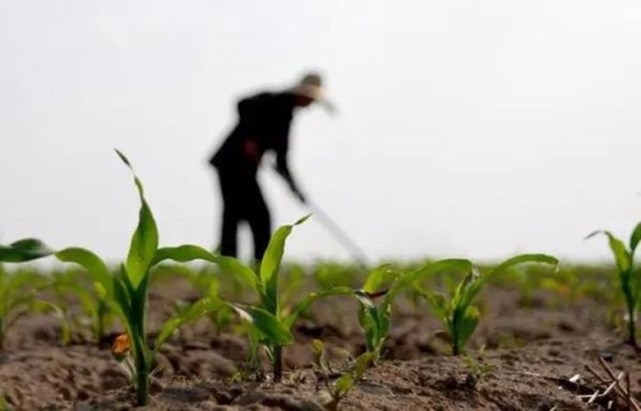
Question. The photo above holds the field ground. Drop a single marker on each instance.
(529, 348)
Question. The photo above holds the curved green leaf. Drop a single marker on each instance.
(183, 254)
(144, 241)
(467, 290)
(306, 302)
(343, 384)
(439, 305)
(193, 313)
(370, 320)
(622, 258)
(122, 299)
(24, 250)
(375, 278)
(265, 323)
(91, 262)
(188, 252)
(246, 274)
(467, 324)
(270, 265)
(524, 258)
(432, 268)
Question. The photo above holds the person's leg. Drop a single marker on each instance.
(230, 215)
(259, 220)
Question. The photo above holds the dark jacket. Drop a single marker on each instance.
(263, 124)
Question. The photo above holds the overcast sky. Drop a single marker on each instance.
(466, 128)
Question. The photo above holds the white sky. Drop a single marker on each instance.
(467, 128)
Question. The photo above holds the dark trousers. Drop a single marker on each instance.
(243, 201)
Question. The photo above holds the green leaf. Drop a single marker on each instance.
(521, 259)
(367, 303)
(319, 350)
(266, 323)
(621, 256)
(370, 321)
(438, 304)
(375, 278)
(343, 384)
(362, 364)
(306, 302)
(91, 262)
(635, 238)
(193, 313)
(467, 324)
(122, 299)
(144, 241)
(185, 253)
(468, 289)
(451, 264)
(101, 290)
(246, 274)
(24, 250)
(123, 157)
(270, 265)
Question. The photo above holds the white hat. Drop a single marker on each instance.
(311, 85)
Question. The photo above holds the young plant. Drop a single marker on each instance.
(91, 297)
(478, 371)
(629, 277)
(332, 395)
(270, 321)
(127, 292)
(375, 318)
(207, 283)
(18, 296)
(457, 313)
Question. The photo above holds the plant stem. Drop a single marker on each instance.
(456, 349)
(142, 385)
(278, 363)
(632, 334)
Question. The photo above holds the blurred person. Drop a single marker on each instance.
(264, 122)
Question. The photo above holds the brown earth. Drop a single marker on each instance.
(530, 352)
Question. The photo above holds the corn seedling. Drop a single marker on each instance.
(478, 370)
(207, 283)
(375, 318)
(334, 393)
(91, 298)
(127, 292)
(18, 296)
(270, 322)
(629, 278)
(458, 314)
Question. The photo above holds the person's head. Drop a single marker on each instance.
(308, 90)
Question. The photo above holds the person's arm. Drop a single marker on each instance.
(282, 166)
